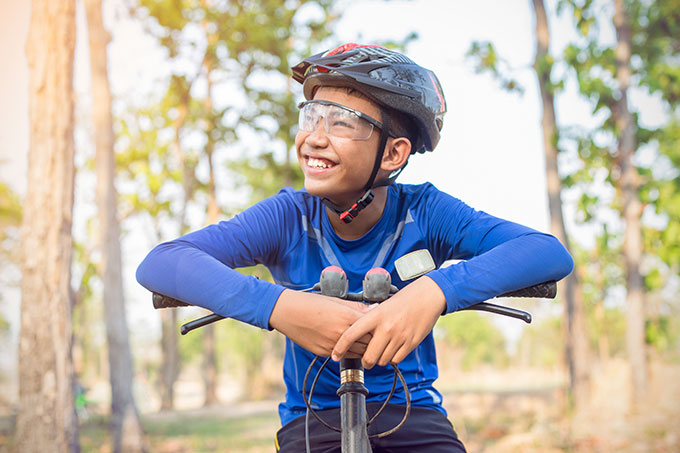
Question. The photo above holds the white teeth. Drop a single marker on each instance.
(317, 163)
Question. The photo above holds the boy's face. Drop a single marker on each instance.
(338, 168)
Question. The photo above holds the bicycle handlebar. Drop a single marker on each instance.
(161, 301)
(546, 290)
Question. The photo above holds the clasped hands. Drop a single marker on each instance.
(379, 334)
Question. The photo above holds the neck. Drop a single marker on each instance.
(368, 217)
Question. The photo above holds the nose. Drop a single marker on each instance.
(319, 137)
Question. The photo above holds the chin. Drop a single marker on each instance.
(319, 190)
(316, 189)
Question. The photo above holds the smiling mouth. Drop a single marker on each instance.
(314, 162)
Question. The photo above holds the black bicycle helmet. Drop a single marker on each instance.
(390, 78)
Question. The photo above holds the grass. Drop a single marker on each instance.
(176, 433)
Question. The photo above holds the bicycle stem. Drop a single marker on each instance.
(352, 393)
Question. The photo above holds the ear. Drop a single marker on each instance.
(396, 153)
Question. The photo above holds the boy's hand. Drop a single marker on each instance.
(397, 325)
(316, 322)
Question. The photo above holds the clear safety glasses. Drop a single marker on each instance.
(339, 121)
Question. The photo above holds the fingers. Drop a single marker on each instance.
(401, 354)
(388, 354)
(359, 330)
(375, 350)
(356, 351)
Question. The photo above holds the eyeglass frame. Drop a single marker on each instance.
(372, 121)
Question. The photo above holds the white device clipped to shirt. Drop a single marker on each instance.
(414, 264)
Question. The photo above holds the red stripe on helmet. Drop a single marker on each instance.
(344, 48)
(349, 46)
(439, 93)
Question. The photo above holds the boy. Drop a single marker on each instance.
(367, 110)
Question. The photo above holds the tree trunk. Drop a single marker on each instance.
(47, 420)
(170, 364)
(170, 360)
(628, 187)
(209, 353)
(576, 353)
(126, 428)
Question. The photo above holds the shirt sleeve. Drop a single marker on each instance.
(198, 268)
(496, 255)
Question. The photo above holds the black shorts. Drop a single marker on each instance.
(425, 430)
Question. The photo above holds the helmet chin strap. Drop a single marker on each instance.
(347, 215)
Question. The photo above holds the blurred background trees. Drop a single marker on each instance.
(621, 152)
(620, 168)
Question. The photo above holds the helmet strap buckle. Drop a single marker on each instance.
(349, 215)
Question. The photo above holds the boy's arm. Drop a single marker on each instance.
(497, 255)
(501, 256)
(198, 268)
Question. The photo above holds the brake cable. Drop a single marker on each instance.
(308, 400)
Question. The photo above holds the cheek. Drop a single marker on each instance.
(299, 140)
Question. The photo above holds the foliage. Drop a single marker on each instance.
(663, 192)
(485, 59)
(10, 219)
(602, 70)
(88, 314)
(479, 339)
(10, 207)
(601, 276)
(655, 27)
(663, 334)
(230, 82)
(149, 174)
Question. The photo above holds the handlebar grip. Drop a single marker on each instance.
(161, 301)
(547, 290)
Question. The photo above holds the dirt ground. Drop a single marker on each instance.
(536, 420)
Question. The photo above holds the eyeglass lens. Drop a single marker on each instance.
(338, 122)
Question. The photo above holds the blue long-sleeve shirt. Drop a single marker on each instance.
(291, 235)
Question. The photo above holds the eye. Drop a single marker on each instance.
(344, 124)
(343, 119)
(309, 116)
